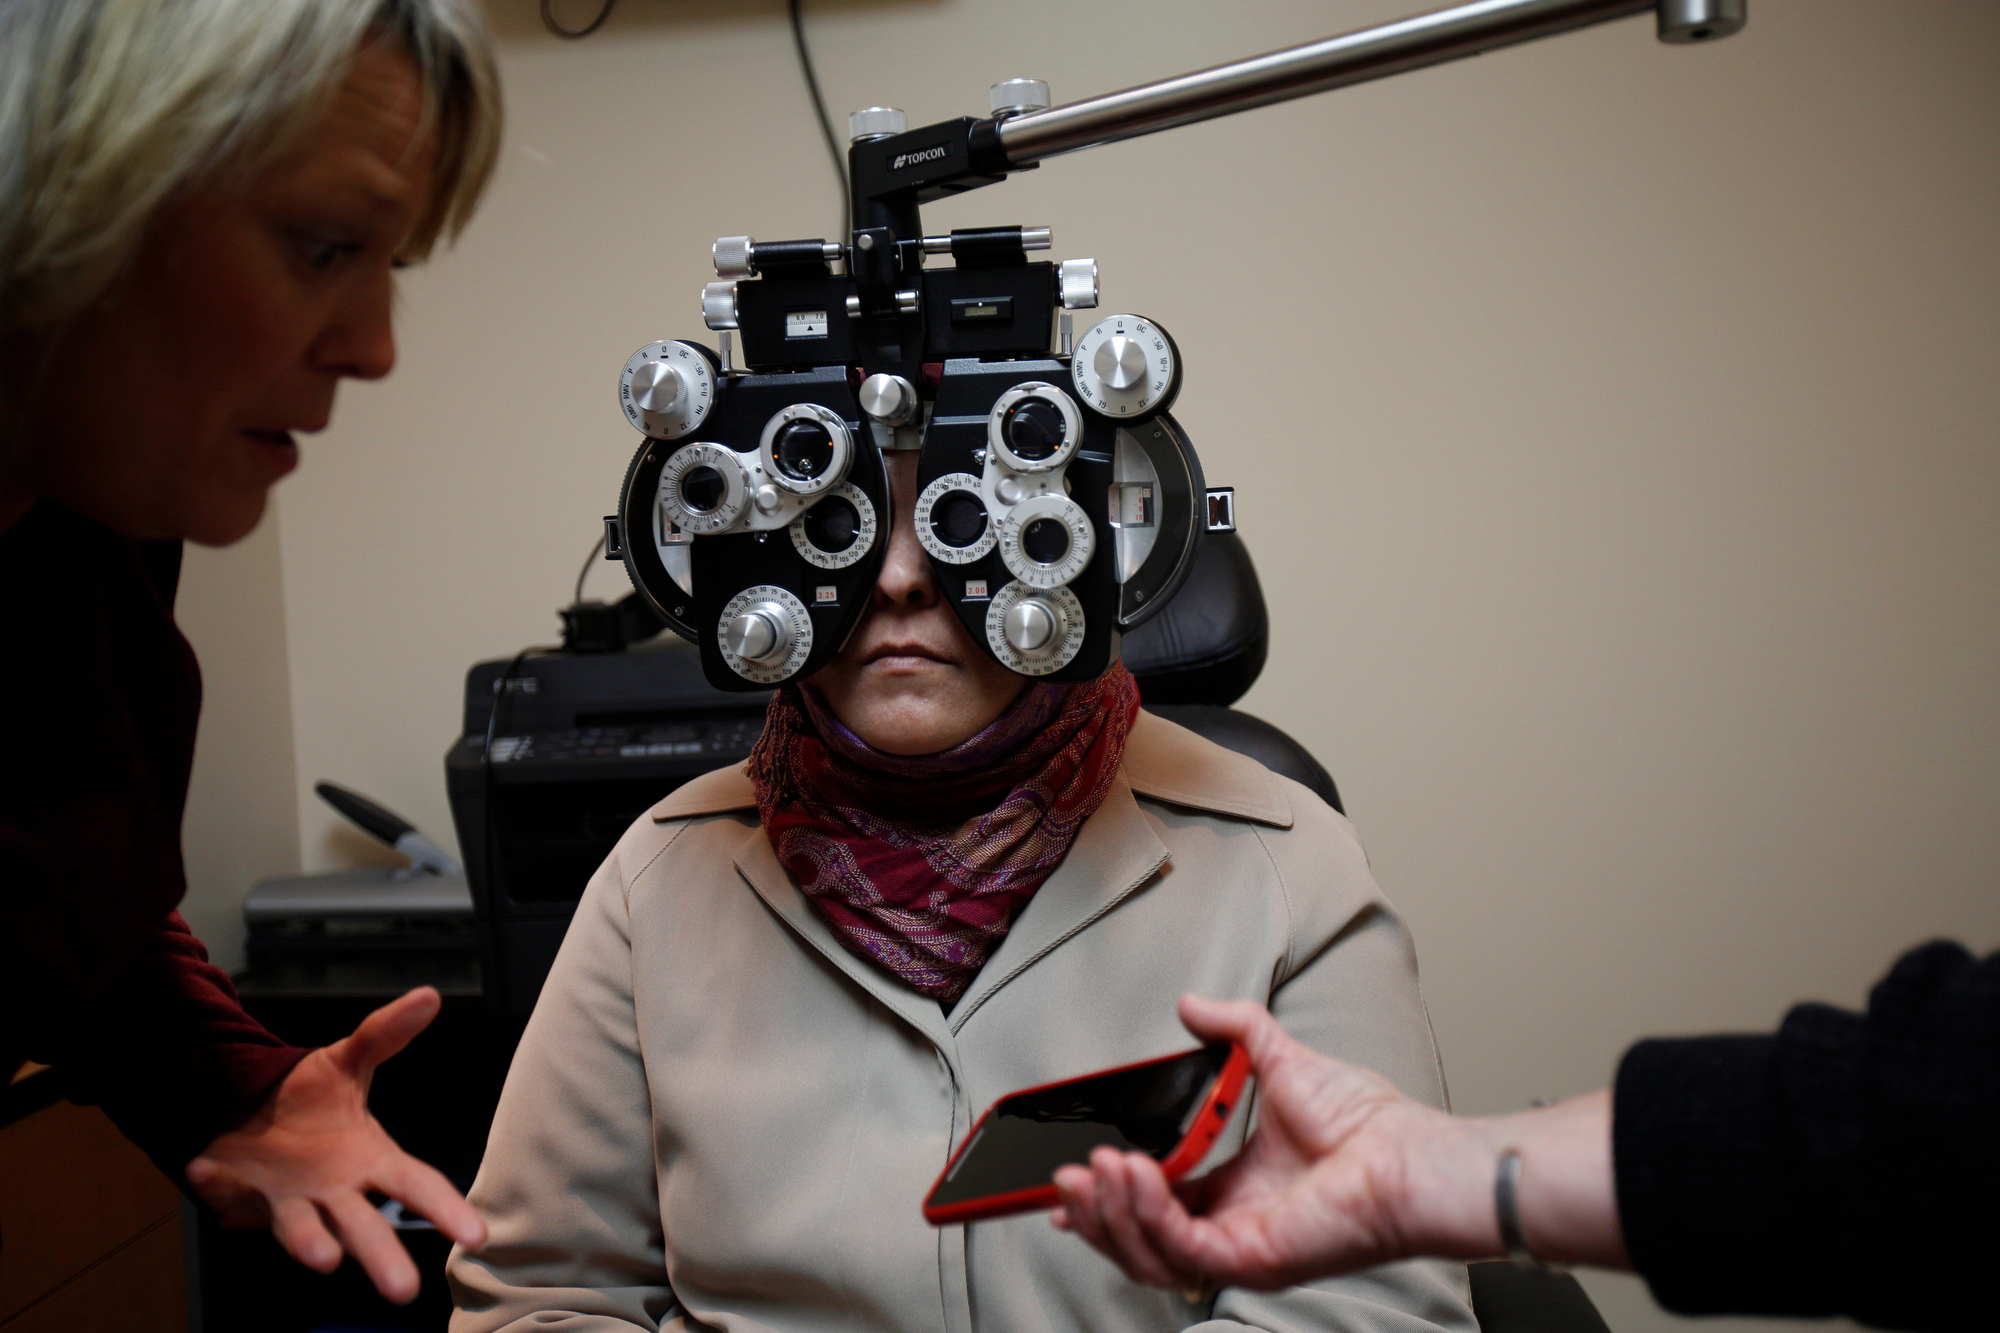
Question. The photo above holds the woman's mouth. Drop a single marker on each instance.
(905, 656)
(278, 444)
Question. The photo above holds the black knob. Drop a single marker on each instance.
(1034, 429)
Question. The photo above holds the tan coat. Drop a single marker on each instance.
(720, 1117)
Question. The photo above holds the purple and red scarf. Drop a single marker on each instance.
(920, 864)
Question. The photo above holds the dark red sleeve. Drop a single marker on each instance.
(169, 1053)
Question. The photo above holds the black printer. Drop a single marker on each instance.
(583, 743)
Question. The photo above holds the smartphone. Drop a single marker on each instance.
(1172, 1109)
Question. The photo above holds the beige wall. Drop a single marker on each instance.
(1614, 425)
(242, 818)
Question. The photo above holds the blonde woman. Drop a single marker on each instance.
(201, 202)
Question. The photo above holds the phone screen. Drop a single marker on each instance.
(1146, 1108)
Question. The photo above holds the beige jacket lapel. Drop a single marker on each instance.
(1114, 853)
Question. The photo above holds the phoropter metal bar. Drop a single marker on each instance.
(1337, 62)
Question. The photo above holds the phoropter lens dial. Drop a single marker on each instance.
(1034, 632)
(702, 488)
(951, 519)
(837, 531)
(666, 389)
(1046, 541)
(1034, 427)
(806, 449)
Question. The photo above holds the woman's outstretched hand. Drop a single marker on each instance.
(1343, 1172)
(303, 1165)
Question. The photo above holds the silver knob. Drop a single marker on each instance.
(1077, 287)
(1031, 626)
(1017, 96)
(889, 399)
(760, 635)
(1684, 22)
(732, 256)
(718, 305)
(656, 388)
(766, 498)
(1120, 361)
(876, 122)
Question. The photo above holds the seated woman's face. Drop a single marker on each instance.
(174, 399)
(910, 679)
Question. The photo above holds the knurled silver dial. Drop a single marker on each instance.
(703, 488)
(803, 528)
(1125, 366)
(1046, 541)
(764, 634)
(1034, 631)
(666, 389)
(927, 518)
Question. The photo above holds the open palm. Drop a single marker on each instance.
(305, 1163)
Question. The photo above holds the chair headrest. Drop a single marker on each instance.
(1207, 645)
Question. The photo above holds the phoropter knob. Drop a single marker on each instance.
(1077, 284)
(876, 122)
(1018, 96)
(761, 635)
(656, 388)
(889, 399)
(1120, 361)
(666, 389)
(732, 256)
(1032, 626)
(718, 305)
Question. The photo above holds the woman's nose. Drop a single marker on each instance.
(905, 579)
(359, 341)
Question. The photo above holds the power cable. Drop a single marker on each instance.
(549, 21)
(833, 149)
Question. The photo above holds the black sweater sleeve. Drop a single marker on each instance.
(1848, 1165)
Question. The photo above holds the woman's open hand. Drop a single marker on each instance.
(1323, 1185)
(305, 1162)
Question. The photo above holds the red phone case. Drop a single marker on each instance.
(1208, 1125)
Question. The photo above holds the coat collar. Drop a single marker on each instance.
(1115, 852)
(1163, 761)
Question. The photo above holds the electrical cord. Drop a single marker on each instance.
(584, 573)
(833, 148)
(549, 21)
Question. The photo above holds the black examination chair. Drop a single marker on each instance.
(1194, 659)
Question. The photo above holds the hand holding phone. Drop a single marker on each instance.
(1172, 1109)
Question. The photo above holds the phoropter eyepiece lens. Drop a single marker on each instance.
(1034, 429)
(702, 488)
(832, 525)
(804, 450)
(959, 519)
(1045, 541)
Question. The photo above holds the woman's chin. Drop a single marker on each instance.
(909, 714)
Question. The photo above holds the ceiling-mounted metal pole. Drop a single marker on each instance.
(1356, 57)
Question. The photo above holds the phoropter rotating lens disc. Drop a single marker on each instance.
(1046, 541)
(702, 488)
(951, 519)
(837, 531)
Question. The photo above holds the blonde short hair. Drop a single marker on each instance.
(108, 107)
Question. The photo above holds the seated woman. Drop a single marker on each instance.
(794, 984)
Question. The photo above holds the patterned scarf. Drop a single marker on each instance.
(920, 864)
